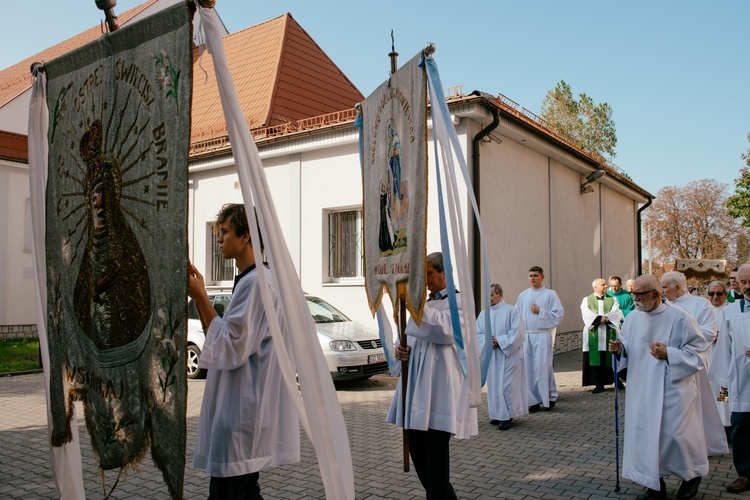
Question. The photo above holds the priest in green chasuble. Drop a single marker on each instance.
(601, 318)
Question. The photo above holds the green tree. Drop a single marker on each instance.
(738, 205)
(587, 124)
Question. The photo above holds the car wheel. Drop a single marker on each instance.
(193, 353)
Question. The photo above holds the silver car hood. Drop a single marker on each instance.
(346, 330)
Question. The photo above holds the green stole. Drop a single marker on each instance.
(594, 358)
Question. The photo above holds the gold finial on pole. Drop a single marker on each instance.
(108, 6)
(393, 55)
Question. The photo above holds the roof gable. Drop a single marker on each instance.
(281, 75)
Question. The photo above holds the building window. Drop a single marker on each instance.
(345, 250)
(221, 269)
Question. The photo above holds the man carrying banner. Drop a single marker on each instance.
(437, 397)
(248, 421)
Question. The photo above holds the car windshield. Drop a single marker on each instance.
(323, 312)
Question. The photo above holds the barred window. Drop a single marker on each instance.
(221, 269)
(345, 249)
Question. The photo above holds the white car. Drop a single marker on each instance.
(351, 350)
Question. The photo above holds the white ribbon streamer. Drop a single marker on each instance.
(316, 400)
(447, 149)
(65, 460)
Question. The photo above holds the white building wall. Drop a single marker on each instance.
(306, 184)
(331, 181)
(620, 235)
(532, 211)
(17, 305)
(576, 236)
(515, 212)
(14, 116)
(534, 214)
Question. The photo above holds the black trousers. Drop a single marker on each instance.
(235, 488)
(431, 457)
(597, 375)
(741, 442)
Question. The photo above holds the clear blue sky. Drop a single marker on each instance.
(675, 72)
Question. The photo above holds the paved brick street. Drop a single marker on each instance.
(565, 453)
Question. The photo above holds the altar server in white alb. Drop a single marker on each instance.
(247, 421)
(541, 311)
(437, 395)
(661, 346)
(731, 368)
(507, 391)
(674, 288)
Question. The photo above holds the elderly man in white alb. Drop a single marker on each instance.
(661, 346)
(717, 295)
(541, 311)
(507, 394)
(731, 369)
(674, 287)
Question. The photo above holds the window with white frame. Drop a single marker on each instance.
(345, 248)
(221, 269)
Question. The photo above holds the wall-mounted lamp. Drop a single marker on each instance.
(492, 137)
(586, 186)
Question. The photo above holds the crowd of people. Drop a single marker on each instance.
(688, 396)
(685, 360)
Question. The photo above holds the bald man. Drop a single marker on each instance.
(601, 322)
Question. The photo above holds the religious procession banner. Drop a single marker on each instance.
(394, 174)
(116, 241)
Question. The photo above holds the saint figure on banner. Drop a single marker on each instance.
(394, 162)
(112, 293)
(385, 238)
(398, 203)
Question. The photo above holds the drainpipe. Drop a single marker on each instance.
(476, 247)
(640, 238)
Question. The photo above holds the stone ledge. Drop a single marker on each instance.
(18, 332)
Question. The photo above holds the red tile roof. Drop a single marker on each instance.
(14, 147)
(281, 76)
(16, 79)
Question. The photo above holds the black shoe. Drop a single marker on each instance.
(597, 390)
(739, 485)
(550, 407)
(620, 385)
(535, 408)
(494, 422)
(650, 494)
(688, 489)
(504, 425)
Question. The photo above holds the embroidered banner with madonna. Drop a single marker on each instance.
(394, 172)
(116, 233)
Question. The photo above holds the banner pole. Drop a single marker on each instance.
(404, 374)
